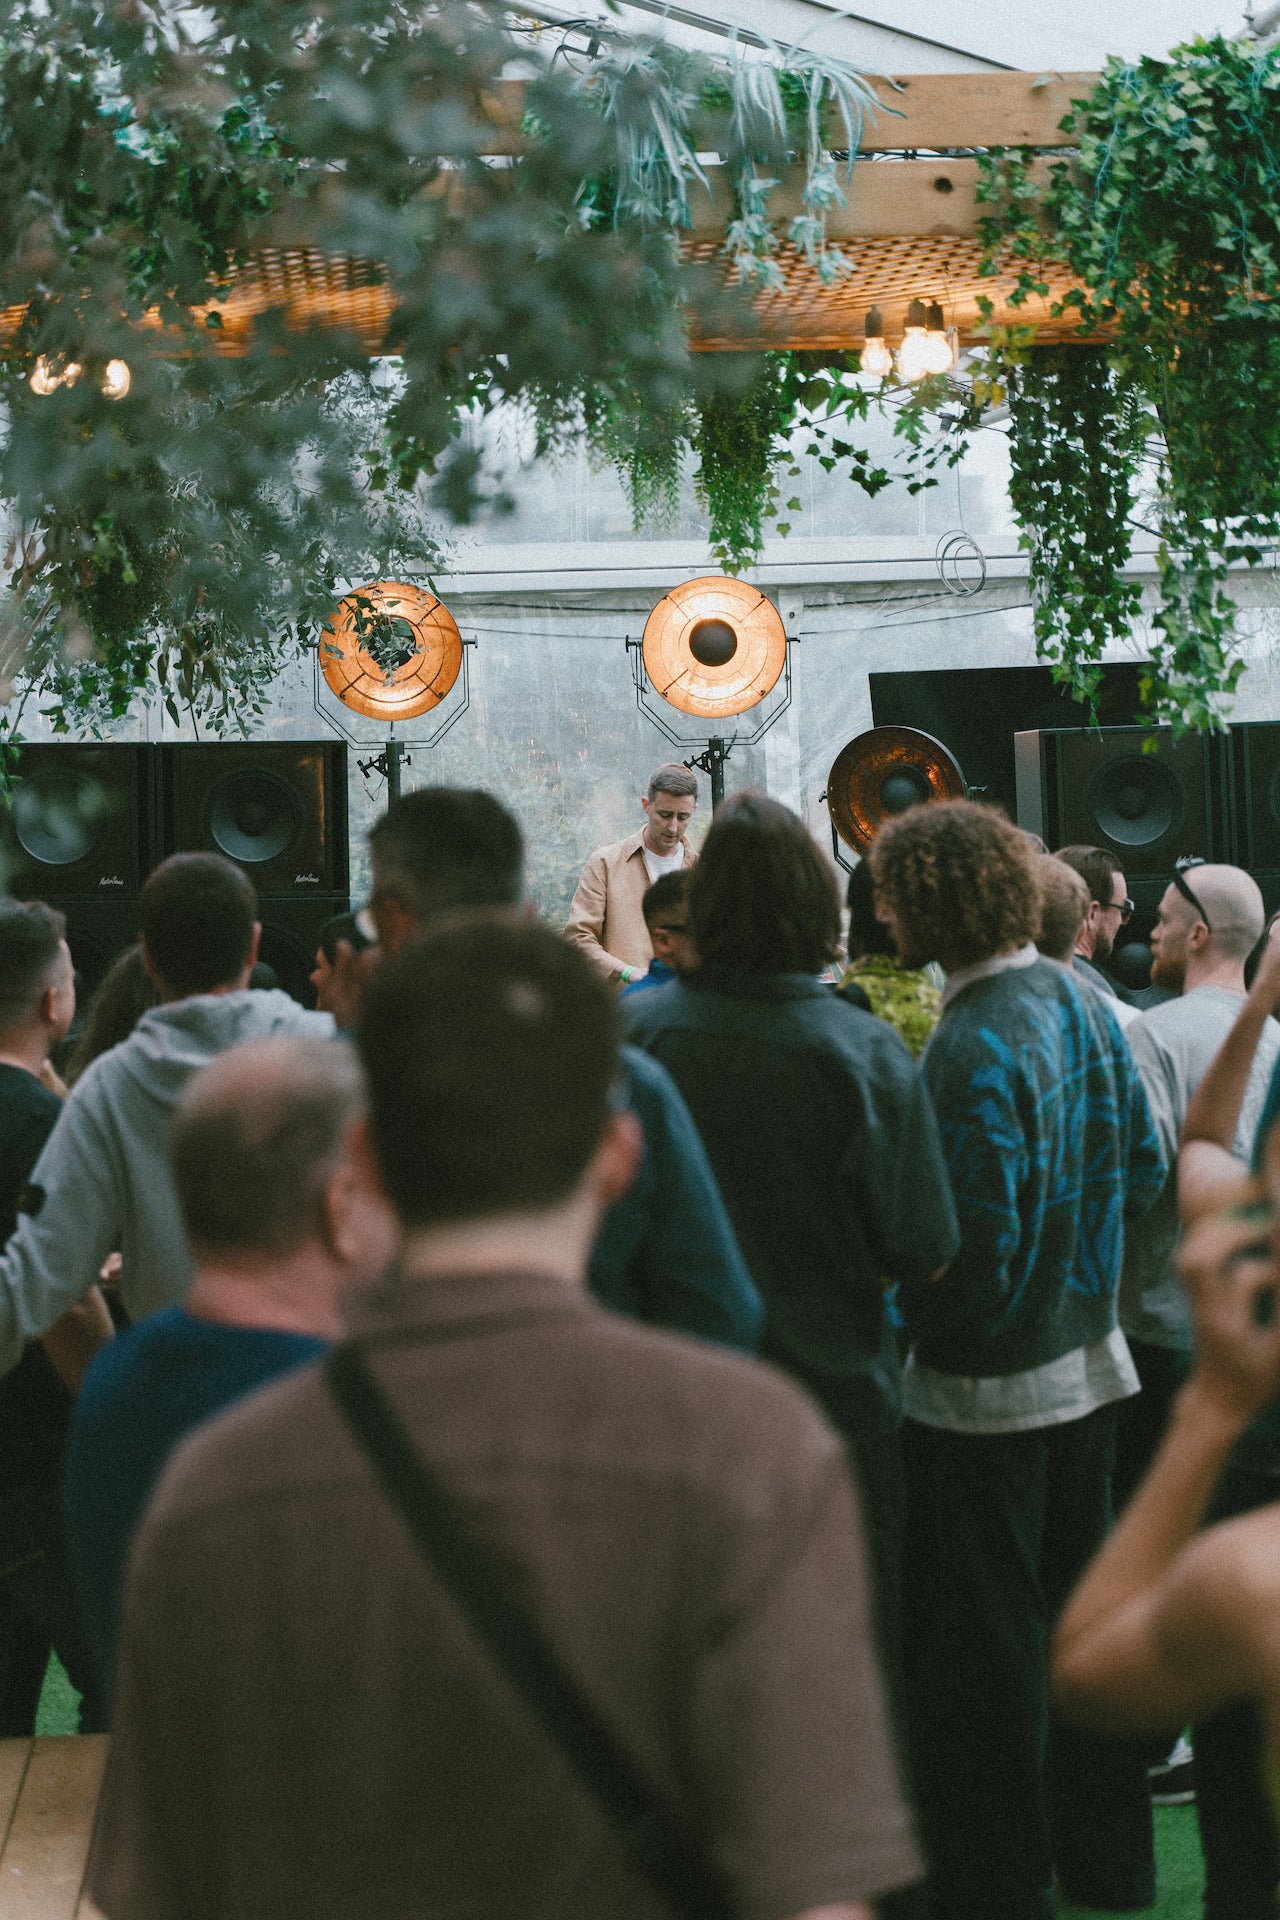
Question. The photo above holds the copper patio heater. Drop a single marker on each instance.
(881, 773)
(713, 648)
(392, 652)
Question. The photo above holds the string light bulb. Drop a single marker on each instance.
(117, 379)
(45, 381)
(926, 346)
(912, 354)
(876, 357)
(937, 356)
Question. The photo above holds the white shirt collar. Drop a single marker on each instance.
(998, 963)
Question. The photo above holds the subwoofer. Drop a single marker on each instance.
(291, 930)
(278, 809)
(1102, 788)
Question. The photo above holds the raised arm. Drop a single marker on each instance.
(1207, 1168)
(1157, 1631)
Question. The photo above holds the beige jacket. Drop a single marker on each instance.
(605, 919)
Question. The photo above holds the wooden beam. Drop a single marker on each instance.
(942, 110)
(884, 200)
(935, 111)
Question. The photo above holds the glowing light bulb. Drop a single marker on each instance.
(71, 373)
(876, 357)
(936, 352)
(43, 378)
(913, 354)
(116, 380)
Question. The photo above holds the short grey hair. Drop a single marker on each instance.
(256, 1138)
(1232, 903)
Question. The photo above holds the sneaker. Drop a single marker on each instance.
(1173, 1781)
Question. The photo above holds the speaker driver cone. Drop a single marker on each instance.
(1134, 801)
(57, 816)
(252, 816)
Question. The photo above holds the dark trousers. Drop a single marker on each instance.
(1237, 1826)
(38, 1615)
(999, 1527)
(875, 1453)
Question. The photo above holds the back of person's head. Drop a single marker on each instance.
(341, 926)
(31, 958)
(960, 881)
(196, 914)
(1095, 867)
(668, 893)
(1233, 906)
(125, 992)
(256, 1137)
(442, 850)
(489, 1048)
(762, 898)
(1064, 902)
(867, 935)
(674, 779)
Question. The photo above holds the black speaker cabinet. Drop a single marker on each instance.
(1100, 789)
(98, 931)
(975, 712)
(80, 822)
(291, 929)
(279, 809)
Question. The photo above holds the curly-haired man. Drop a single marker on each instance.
(1016, 1369)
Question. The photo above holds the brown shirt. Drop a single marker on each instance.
(306, 1730)
(606, 918)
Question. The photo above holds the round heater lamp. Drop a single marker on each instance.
(714, 646)
(391, 651)
(881, 774)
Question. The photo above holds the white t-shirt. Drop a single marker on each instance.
(659, 863)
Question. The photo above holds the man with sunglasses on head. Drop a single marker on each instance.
(1209, 920)
(1110, 908)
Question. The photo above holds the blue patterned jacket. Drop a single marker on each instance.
(1049, 1144)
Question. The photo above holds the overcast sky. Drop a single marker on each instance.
(1057, 33)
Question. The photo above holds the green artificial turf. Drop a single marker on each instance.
(59, 1702)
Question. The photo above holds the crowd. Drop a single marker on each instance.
(632, 1422)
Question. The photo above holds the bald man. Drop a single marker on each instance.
(281, 1223)
(1210, 918)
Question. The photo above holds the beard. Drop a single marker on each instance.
(1103, 947)
(1169, 971)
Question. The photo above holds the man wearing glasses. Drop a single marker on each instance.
(1110, 908)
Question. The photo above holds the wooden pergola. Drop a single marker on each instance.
(909, 229)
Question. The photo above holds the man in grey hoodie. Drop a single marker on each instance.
(102, 1182)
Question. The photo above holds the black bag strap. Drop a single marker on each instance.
(659, 1843)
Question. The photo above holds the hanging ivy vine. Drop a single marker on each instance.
(1077, 439)
(1170, 218)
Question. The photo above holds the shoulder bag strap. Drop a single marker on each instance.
(657, 1841)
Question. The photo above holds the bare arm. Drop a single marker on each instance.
(1206, 1164)
(1149, 1637)
(72, 1341)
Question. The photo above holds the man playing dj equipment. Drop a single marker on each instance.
(607, 916)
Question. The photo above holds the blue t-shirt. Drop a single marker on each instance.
(143, 1393)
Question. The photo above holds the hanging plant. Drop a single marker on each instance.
(1170, 218)
(1078, 432)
